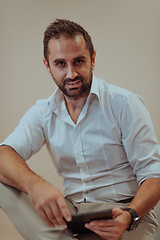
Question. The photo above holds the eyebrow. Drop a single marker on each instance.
(81, 56)
(59, 60)
(63, 60)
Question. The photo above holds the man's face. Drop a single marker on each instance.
(70, 65)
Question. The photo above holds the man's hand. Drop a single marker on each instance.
(49, 203)
(47, 200)
(111, 228)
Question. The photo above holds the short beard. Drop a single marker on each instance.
(84, 89)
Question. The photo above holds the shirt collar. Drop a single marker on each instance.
(95, 87)
(56, 99)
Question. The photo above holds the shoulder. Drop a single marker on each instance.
(116, 94)
(39, 110)
(120, 102)
(113, 90)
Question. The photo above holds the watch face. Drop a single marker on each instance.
(135, 223)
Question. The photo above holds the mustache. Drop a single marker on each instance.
(66, 80)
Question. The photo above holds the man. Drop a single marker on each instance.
(101, 140)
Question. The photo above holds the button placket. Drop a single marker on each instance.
(79, 156)
(82, 165)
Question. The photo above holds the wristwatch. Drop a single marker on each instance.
(135, 219)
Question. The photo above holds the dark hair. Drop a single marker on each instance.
(68, 29)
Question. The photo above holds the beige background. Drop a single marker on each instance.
(126, 35)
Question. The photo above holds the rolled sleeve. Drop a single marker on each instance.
(28, 137)
(139, 139)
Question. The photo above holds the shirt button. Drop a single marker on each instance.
(86, 192)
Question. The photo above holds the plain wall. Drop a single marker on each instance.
(125, 34)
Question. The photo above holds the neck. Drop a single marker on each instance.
(74, 106)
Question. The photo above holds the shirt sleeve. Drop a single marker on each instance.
(139, 139)
(28, 137)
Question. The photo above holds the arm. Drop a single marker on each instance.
(141, 147)
(147, 196)
(142, 203)
(47, 200)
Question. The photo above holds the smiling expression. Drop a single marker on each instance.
(70, 66)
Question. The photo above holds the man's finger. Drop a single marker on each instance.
(64, 209)
(51, 216)
(45, 218)
(58, 215)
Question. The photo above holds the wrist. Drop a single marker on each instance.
(128, 219)
(135, 219)
(33, 182)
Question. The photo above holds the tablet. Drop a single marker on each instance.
(76, 226)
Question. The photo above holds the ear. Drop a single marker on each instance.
(47, 66)
(93, 60)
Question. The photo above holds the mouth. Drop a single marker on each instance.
(74, 84)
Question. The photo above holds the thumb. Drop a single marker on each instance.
(116, 212)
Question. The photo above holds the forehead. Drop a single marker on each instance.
(67, 46)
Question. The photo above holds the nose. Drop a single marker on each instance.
(71, 72)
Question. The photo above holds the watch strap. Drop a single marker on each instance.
(134, 216)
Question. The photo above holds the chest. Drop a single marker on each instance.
(95, 140)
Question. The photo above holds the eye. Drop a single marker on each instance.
(78, 61)
(61, 64)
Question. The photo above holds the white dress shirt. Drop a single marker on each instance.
(106, 155)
